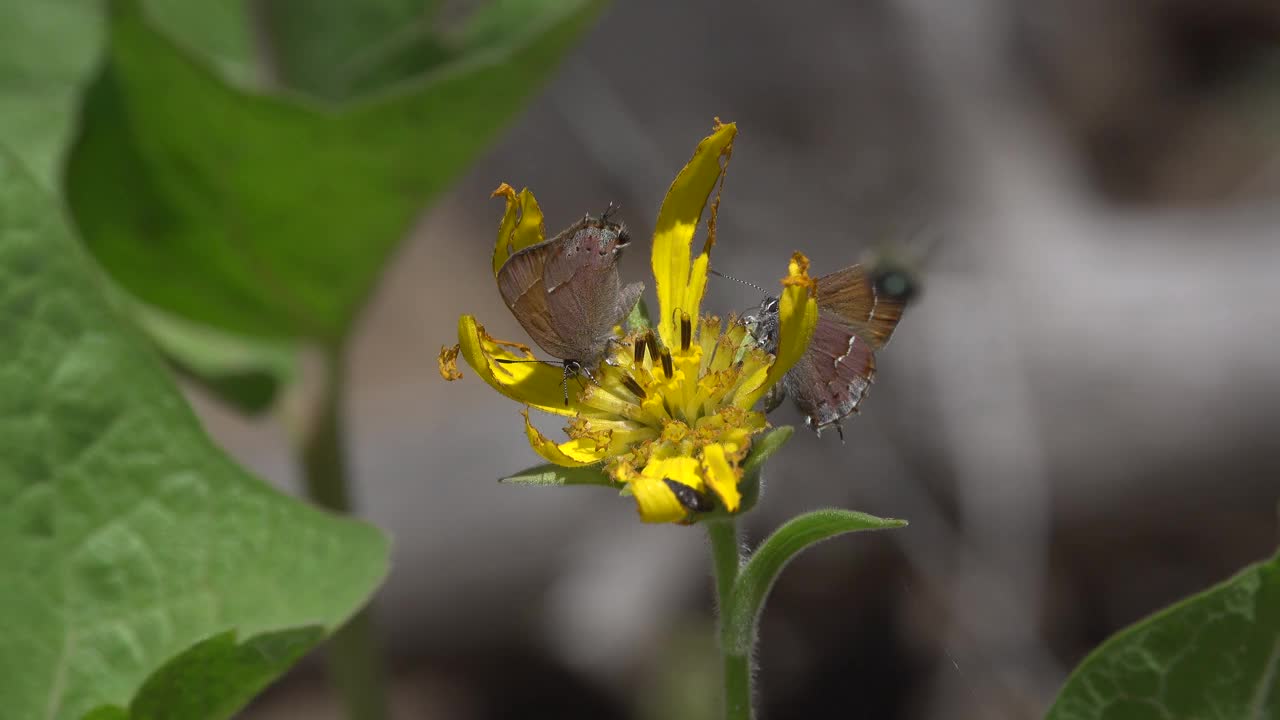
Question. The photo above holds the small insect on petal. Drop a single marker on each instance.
(667, 368)
(691, 499)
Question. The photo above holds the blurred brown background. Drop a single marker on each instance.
(1078, 418)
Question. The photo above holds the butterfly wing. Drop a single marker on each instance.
(523, 288)
(852, 295)
(830, 380)
(584, 294)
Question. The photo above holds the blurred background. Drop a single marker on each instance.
(1078, 417)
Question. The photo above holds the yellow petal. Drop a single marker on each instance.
(521, 224)
(677, 222)
(538, 384)
(722, 478)
(655, 501)
(574, 453)
(797, 316)
(681, 468)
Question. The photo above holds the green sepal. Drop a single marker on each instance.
(551, 474)
(638, 318)
(761, 449)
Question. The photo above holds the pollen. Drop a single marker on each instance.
(692, 402)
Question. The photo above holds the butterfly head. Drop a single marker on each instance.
(763, 324)
(601, 235)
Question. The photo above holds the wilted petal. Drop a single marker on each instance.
(521, 224)
(537, 384)
(574, 453)
(448, 361)
(680, 290)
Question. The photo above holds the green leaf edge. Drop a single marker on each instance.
(1099, 653)
(551, 474)
(185, 679)
(761, 570)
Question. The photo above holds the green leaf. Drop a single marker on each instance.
(218, 31)
(126, 536)
(759, 573)
(216, 677)
(550, 474)
(266, 216)
(337, 49)
(48, 51)
(245, 373)
(1213, 655)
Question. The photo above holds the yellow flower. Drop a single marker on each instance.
(669, 415)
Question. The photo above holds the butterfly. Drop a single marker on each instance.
(566, 294)
(858, 310)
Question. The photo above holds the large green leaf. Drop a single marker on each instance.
(126, 536)
(214, 678)
(1213, 655)
(266, 216)
(337, 49)
(247, 374)
(48, 50)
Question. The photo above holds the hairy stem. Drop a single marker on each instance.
(727, 559)
(353, 654)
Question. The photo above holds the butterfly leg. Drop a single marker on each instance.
(582, 370)
(610, 346)
(774, 397)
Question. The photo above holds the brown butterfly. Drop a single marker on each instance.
(566, 294)
(857, 313)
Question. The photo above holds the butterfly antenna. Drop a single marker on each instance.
(717, 273)
(609, 211)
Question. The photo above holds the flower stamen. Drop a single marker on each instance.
(634, 386)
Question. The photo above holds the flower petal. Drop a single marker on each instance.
(656, 502)
(677, 222)
(574, 453)
(797, 316)
(722, 478)
(680, 468)
(538, 384)
(521, 224)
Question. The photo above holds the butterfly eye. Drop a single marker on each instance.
(771, 305)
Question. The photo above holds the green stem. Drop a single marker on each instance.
(353, 653)
(726, 555)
